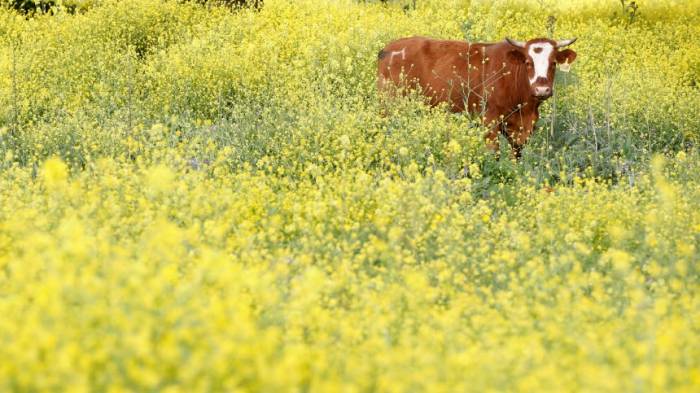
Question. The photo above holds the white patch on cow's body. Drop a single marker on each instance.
(401, 52)
(540, 60)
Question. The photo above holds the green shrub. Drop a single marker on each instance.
(31, 7)
(233, 4)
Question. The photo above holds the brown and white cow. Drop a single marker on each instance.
(504, 82)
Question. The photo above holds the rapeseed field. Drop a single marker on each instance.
(194, 198)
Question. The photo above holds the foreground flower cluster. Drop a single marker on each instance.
(140, 278)
(198, 200)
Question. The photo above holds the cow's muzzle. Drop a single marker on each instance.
(542, 92)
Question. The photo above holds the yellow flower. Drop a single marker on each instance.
(454, 147)
(620, 260)
(159, 179)
(55, 173)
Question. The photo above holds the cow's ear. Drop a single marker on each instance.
(566, 56)
(515, 56)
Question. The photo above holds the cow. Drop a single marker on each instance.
(503, 82)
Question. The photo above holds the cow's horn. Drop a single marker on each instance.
(519, 44)
(563, 43)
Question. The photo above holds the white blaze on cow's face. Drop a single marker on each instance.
(540, 57)
(540, 54)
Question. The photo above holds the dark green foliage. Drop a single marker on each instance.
(31, 7)
(233, 4)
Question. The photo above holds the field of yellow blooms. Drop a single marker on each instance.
(199, 199)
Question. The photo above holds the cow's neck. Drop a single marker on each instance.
(521, 93)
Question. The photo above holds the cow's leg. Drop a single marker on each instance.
(516, 150)
(386, 92)
(518, 129)
(492, 141)
(516, 146)
(514, 136)
(495, 125)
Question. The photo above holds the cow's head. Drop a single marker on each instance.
(540, 57)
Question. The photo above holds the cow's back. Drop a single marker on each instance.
(439, 68)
